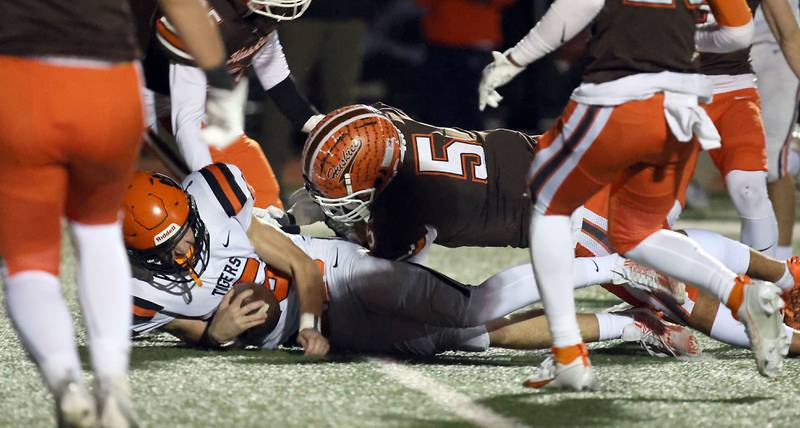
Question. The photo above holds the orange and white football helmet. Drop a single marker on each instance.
(158, 214)
(349, 158)
(279, 10)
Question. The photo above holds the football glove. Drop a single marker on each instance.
(495, 75)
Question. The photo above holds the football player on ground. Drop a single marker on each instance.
(776, 62)
(67, 149)
(250, 36)
(188, 249)
(633, 123)
(363, 135)
(698, 310)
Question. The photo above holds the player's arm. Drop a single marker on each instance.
(279, 251)
(230, 320)
(201, 36)
(225, 101)
(734, 29)
(563, 21)
(275, 77)
(784, 26)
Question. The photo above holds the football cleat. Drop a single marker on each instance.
(648, 280)
(114, 404)
(760, 312)
(575, 374)
(74, 406)
(659, 338)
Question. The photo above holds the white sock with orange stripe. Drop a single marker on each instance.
(552, 254)
(44, 324)
(104, 277)
(678, 256)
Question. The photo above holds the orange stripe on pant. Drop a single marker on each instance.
(69, 137)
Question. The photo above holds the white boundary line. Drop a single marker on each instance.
(455, 402)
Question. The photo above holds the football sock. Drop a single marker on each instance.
(787, 280)
(783, 252)
(733, 254)
(610, 325)
(748, 191)
(595, 270)
(680, 257)
(728, 330)
(104, 278)
(43, 322)
(553, 254)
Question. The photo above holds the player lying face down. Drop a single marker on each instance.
(192, 247)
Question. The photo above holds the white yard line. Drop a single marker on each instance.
(454, 401)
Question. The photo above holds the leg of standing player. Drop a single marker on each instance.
(81, 174)
(742, 161)
(569, 167)
(779, 89)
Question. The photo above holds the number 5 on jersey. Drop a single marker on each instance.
(458, 159)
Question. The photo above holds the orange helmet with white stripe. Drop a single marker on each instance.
(349, 158)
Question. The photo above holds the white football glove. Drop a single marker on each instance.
(224, 115)
(495, 75)
(304, 208)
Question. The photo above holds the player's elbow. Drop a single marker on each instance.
(738, 38)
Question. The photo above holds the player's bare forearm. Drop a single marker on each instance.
(200, 34)
(189, 331)
(786, 30)
(279, 251)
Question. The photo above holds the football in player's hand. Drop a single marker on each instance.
(255, 335)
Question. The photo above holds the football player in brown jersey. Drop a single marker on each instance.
(251, 39)
(359, 141)
(630, 124)
(71, 121)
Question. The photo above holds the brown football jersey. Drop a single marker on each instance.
(95, 29)
(470, 186)
(733, 63)
(244, 34)
(641, 36)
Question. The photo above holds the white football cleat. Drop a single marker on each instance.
(576, 375)
(648, 280)
(659, 338)
(760, 312)
(74, 406)
(114, 404)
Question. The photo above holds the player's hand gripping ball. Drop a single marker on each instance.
(255, 335)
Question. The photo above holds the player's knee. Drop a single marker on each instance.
(748, 191)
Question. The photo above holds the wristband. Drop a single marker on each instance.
(308, 320)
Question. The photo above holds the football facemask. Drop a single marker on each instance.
(279, 10)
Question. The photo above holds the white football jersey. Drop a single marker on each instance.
(225, 204)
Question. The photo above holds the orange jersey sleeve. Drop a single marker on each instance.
(731, 13)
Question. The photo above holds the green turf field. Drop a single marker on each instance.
(180, 387)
